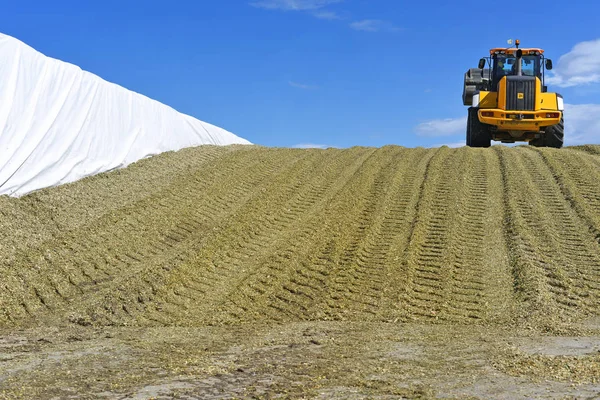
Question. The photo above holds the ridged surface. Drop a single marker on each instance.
(242, 234)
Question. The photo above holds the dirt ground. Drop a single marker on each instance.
(320, 360)
(251, 272)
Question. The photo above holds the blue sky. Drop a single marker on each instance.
(317, 72)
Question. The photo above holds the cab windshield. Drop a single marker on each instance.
(507, 65)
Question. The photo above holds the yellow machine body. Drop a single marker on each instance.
(509, 101)
(493, 110)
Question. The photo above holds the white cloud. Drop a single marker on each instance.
(310, 146)
(582, 124)
(328, 15)
(374, 25)
(580, 66)
(302, 86)
(316, 8)
(442, 127)
(293, 5)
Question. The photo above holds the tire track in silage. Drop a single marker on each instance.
(257, 258)
(265, 230)
(478, 275)
(276, 300)
(72, 209)
(348, 276)
(361, 279)
(465, 291)
(196, 209)
(110, 257)
(199, 279)
(536, 214)
(578, 176)
(105, 193)
(192, 287)
(593, 150)
(446, 258)
(349, 281)
(452, 271)
(167, 244)
(425, 256)
(577, 242)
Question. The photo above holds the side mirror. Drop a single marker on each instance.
(548, 64)
(481, 63)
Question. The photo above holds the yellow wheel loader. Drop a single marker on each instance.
(509, 101)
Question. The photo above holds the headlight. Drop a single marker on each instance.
(476, 100)
(559, 101)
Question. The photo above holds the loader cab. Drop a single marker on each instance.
(506, 65)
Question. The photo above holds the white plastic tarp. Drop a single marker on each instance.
(59, 124)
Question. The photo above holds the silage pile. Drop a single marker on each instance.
(221, 235)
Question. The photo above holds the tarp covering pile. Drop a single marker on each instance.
(59, 123)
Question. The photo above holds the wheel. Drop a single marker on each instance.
(469, 128)
(478, 134)
(553, 137)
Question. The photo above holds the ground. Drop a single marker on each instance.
(252, 272)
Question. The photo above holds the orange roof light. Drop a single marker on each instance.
(526, 51)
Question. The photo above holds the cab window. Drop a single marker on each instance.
(506, 65)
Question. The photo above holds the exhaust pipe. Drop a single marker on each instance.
(518, 61)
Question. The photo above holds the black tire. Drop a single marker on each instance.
(469, 128)
(478, 134)
(553, 137)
